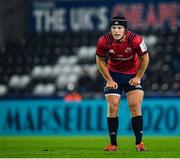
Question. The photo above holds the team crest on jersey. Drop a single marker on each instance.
(128, 49)
(111, 51)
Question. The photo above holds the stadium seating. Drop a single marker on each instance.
(50, 64)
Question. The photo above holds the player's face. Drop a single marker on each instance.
(118, 31)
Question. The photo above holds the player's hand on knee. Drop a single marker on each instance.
(135, 81)
(111, 84)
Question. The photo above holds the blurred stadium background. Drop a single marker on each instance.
(49, 80)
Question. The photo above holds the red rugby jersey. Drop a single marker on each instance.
(122, 56)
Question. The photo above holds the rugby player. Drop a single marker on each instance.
(128, 59)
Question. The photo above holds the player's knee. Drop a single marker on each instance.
(135, 109)
(112, 109)
(112, 112)
(135, 112)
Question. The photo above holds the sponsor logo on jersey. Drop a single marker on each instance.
(122, 58)
(128, 49)
(111, 51)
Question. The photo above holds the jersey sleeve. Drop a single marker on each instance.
(101, 49)
(139, 45)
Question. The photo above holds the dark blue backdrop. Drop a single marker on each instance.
(80, 15)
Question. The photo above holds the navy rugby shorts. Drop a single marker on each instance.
(123, 84)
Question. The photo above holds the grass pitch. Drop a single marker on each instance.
(86, 147)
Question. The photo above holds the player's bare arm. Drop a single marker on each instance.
(144, 61)
(102, 66)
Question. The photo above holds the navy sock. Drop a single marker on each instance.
(113, 128)
(137, 125)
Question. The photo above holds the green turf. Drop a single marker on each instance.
(86, 147)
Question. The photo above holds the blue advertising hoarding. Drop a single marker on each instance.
(91, 15)
(56, 117)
